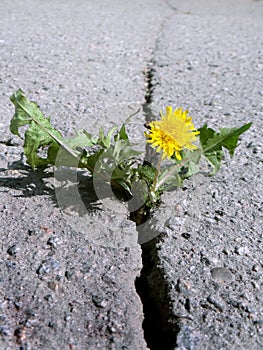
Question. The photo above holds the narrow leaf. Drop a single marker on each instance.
(124, 185)
(122, 133)
(105, 141)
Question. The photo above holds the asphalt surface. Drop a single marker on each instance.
(70, 264)
(208, 59)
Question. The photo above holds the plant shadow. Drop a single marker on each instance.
(69, 189)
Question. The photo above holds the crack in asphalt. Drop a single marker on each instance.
(160, 326)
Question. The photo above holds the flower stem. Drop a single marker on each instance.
(175, 168)
(158, 167)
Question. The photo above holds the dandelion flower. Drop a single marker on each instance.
(174, 132)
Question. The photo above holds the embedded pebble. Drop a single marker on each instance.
(222, 274)
(52, 242)
(13, 250)
(99, 301)
(48, 266)
(242, 250)
(216, 302)
(5, 330)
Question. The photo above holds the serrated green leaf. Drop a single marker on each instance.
(35, 139)
(24, 110)
(123, 153)
(27, 111)
(212, 143)
(40, 133)
(146, 172)
(215, 158)
(206, 134)
(231, 137)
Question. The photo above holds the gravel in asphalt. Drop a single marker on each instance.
(70, 264)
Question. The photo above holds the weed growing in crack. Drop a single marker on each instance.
(112, 160)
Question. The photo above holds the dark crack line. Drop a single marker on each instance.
(148, 77)
(160, 325)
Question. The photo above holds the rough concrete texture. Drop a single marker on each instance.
(58, 288)
(67, 272)
(208, 259)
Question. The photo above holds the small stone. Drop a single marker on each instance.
(30, 232)
(217, 303)
(3, 318)
(13, 250)
(222, 274)
(205, 260)
(5, 330)
(226, 252)
(242, 250)
(255, 268)
(20, 333)
(186, 235)
(258, 322)
(52, 242)
(99, 301)
(10, 264)
(111, 329)
(52, 324)
(53, 285)
(48, 265)
(182, 286)
(48, 297)
(18, 304)
(69, 274)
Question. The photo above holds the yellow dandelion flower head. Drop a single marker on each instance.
(174, 132)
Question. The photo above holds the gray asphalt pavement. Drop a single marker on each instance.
(74, 276)
(208, 59)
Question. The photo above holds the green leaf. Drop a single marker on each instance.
(105, 141)
(122, 151)
(191, 166)
(124, 185)
(35, 139)
(81, 139)
(147, 173)
(91, 161)
(122, 133)
(174, 180)
(212, 143)
(40, 133)
(231, 136)
(215, 158)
